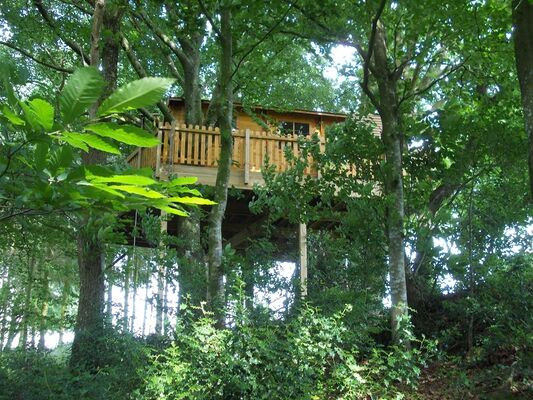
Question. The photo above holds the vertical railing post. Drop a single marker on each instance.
(247, 157)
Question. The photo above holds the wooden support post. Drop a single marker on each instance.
(302, 236)
(159, 151)
(139, 157)
(247, 157)
(171, 143)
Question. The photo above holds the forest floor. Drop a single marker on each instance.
(455, 380)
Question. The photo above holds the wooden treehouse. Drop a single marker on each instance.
(260, 134)
(194, 150)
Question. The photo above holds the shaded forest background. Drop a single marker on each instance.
(420, 277)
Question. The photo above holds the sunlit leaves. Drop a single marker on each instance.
(124, 133)
(39, 113)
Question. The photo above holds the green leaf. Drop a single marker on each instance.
(124, 133)
(192, 200)
(83, 89)
(96, 142)
(39, 113)
(11, 116)
(171, 210)
(141, 191)
(103, 188)
(41, 153)
(140, 93)
(138, 180)
(184, 180)
(74, 140)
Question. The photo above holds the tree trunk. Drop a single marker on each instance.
(523, 44)
(191, 88)
(109, 300)
(215, 288)
(145, 310)
(391, 137)
(192, 269)
(44, 309)
(90, 318)
(6, 301)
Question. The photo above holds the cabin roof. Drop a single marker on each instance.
(335, 115)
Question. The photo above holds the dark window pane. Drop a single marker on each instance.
(301, 129)
(286, 127)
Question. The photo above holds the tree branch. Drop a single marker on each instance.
(261, 40)
(162, 36)
(174, 70)
(51, 22)
(208, 16)
(32, 57)
(141, 72)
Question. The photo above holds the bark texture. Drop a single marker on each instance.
(391, 137)
(215, 286)
(90, 318)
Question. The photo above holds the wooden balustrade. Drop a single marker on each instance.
(200, 147)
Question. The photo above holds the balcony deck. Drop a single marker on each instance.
(187, 150)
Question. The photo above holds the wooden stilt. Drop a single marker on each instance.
(303, 258)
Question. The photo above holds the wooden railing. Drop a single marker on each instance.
(200, 146)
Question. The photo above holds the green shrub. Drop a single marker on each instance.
(305, 358)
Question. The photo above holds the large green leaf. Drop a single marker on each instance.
(11, 116)
(93, 141)
(140, 93)
(124, 133)
(192, 200)
(138, 180)
(141, 191)
(74, 140)
(39, 113)
(82, 90)
(171, 210)
(184, 180)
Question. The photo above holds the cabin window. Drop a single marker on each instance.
(290, 127)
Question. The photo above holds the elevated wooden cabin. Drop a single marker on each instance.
(260, 134)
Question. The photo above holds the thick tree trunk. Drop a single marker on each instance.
(192, 268)
(523, 44)
(90, 317)
(6, 301)
(191, 87)
(191, 273)
(215, 286)
(391, 136)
